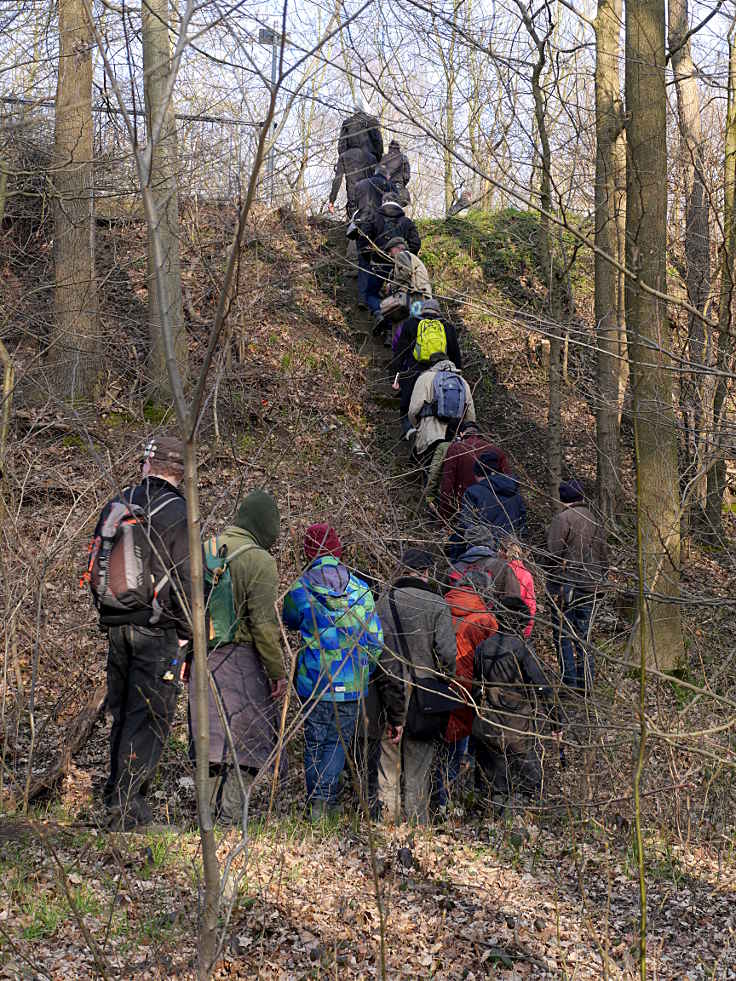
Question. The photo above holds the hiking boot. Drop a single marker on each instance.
(134, 815)
(318, 811)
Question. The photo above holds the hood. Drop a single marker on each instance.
(327, 577)
(259, 514)
(476, 552)
(503, 485)
(444, 365)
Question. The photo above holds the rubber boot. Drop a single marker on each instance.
(232, 798)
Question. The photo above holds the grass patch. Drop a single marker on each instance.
(156, 413)
(46, 914)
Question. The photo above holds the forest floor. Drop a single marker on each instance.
(305, 409)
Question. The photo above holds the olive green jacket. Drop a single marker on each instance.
(255, 590)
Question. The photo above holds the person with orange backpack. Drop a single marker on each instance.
(473, 623)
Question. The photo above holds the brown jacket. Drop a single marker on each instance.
(576, 543)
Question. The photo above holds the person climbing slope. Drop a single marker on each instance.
(399, 170)
(441, 396)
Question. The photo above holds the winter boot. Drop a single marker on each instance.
(318, 811)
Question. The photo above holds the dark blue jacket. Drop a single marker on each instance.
(496, 503)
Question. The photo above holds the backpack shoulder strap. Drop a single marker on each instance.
(159, 507)
(229, 556)
(400, 635)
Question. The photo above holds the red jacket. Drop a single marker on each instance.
(473, 624)
(526, 585)
(457, 472)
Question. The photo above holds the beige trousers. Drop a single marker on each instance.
(413, 761)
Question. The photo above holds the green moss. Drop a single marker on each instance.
(115, 420)
(155, 413)
(500, 248)
(71, 440)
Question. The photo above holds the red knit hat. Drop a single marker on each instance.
(321, 539)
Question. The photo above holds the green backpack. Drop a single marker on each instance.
(431, 339)
(219, 583)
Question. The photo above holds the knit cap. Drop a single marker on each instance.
(321, 539)
(165, 449)
(259, 514)
(396, 242)
(418, 559)
(571, 491)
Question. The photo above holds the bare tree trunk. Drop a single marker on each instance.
(609, 125)
(167, 304)
(698, 390)
(717, 473)
(210, 907)
(73, 352)
(650, 337)
(554, 298)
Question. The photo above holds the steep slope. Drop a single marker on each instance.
(302, 404)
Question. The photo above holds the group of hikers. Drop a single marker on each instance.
(409, 682)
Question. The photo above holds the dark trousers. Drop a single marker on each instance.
(504, 772)
(142, 705)
(571, 613)
(369, 284)
(329, 729)
(407, 380)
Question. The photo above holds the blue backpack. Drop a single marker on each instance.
(449, 398)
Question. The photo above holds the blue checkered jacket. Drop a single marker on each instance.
(340, 631)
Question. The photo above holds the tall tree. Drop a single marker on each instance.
(448, 58)
(610, 162)
(717, 473)
(73, 353)
(649, 333)
(552, 277)
(698, 392)
(164, 304)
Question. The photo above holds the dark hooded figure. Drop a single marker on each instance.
(511, 693)
(399, 170)
(249, 673)
(361, 131)
(493, 501)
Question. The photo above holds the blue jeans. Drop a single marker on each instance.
(572, 610)
(324, 751)
(369, 285)
(449, 760)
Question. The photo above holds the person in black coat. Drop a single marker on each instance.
(406, 365)
(512, 691)
(369, 195)
(361, 131)
(145, 647)
(355, 165)
(391, 222)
